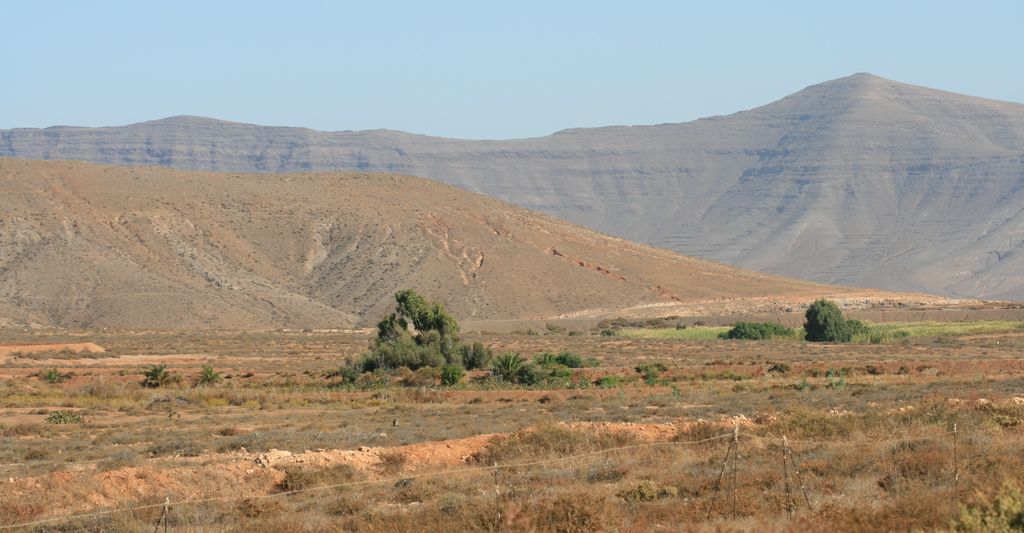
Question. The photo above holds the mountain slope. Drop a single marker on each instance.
(858, 181)
(97, 246)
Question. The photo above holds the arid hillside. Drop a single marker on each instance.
(86, 245)
(858, 181)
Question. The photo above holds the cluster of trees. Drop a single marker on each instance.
(421, 334)
(824, 322)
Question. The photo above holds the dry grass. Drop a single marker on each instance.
(874, 454)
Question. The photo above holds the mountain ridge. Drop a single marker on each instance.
(858, 181)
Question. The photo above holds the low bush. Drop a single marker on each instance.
(476, 356)
(157, 376)
(609, 382)
(999, 512)
(651, 372)
(208, 376)
(308, 478)
(758, 331)
(648, 492)
(53, 376)
(452, 374)
(550, 441)
(64, 417)
(510, 366)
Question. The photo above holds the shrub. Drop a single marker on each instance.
(647, 492)
(778, 368)
(550, 441)
(392, 463)
(567, 359)
(545, 359)
(348, 373)
(836, 379)
(825, 323)
(452, 374)
(64, 417)
(476, 356)
(757, 331)
(434, 343)
(529, 375)
(53, 376)
(121, 459)
(651, 372)
(609, 382)
(297, 478)
(1001, 512)
(157, 376)
(507, 366)
(208, 376)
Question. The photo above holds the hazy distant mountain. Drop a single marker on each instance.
(103, 246)
(860, 181)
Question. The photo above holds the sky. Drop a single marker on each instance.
(479, 69)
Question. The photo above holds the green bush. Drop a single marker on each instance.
(433, 343)
(825, 323)
(157, 376)
(348, 373)
(208, 376)
(507, 365)
(566, 359)
(836, 379)
(757, 331)
(452, 374)
(64, 417)
(529, 375)
(1002, 512)
(53, 376)
(476, 356)
(609, 382)
(651, 372)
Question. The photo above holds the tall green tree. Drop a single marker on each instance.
(825, 323)
(434, 341)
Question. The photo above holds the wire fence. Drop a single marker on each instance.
(725, 482)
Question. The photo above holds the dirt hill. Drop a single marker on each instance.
(857, 181)
(100, 246)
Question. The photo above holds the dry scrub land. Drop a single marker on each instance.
(280, 444)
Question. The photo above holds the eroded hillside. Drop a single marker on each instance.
(88, 245)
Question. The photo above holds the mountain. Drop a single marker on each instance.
(857, 181)
(83, 245)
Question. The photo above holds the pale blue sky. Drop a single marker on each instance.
(480, 69)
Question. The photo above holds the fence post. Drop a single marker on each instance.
(163, 515)
(497, 500)
(799, 478)
(956, 466)
(785, 476)
(735, 466)
(721, 475)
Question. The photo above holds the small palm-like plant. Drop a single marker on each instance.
(157, 376)
(546, 359)
(208, 376)
(507, 366)
(52, 376)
